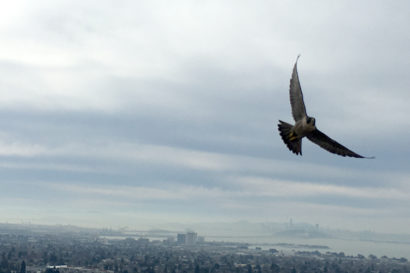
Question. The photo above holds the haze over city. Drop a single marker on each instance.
(143, 113)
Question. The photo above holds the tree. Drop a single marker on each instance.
(23, 267)
(4, 265)
(258, 268)
(275, 268)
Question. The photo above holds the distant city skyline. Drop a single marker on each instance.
(264, 236)
(70, 250)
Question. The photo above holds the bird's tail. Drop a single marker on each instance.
(291, 140)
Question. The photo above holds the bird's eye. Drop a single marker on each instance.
(309, 120)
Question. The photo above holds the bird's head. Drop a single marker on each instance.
(311, 121)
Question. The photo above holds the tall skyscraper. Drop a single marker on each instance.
(191, 238)
(181, 239)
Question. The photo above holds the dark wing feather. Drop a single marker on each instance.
(330, 145)
(296, 96)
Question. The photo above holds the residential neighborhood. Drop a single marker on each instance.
(65, 250)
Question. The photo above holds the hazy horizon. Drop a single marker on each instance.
(150, 112)
(285, 237)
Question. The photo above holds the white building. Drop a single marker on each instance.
(191, 238)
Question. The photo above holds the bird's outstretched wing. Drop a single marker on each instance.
(296, 96)
(330, 145)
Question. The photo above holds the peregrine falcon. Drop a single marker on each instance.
(305, 126)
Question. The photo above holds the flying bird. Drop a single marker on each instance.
(292, 135)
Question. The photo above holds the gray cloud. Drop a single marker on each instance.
(152, 111)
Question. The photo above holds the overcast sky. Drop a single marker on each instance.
(137, 113)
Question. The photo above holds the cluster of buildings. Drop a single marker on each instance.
(60, 251)
(189, 238)
(67, 269)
